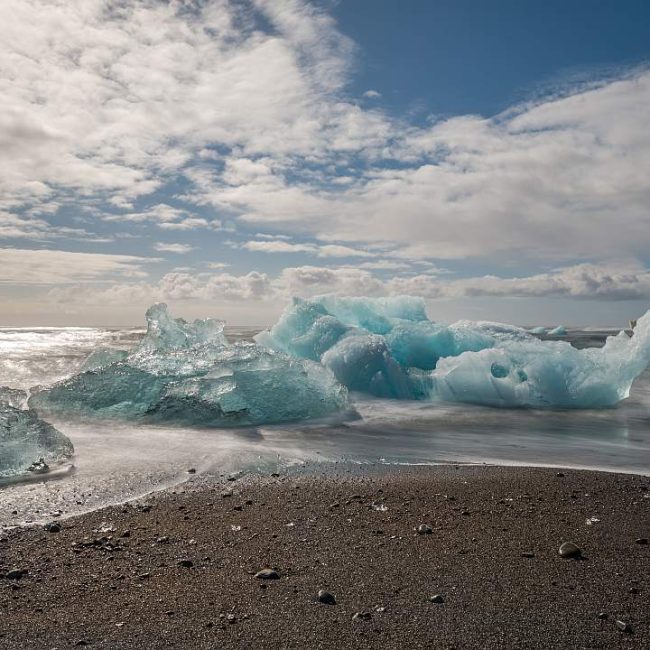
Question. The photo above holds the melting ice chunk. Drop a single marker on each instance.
(387, 347)
(189, 374)
(25, 439)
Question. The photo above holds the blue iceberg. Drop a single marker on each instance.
(189, 373)
(387, 347)
(26, 441)
(319, 349)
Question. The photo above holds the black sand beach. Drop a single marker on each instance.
(179, 570)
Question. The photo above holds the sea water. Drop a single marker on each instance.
(115, 461)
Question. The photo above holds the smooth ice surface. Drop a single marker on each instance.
(538, 330)
(25, 439)
(560, 330)
(188, 373)
(388, 348)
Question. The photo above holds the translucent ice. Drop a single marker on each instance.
(378, 345)
(388, 347)
(546, 373)
(25, 439)
(560, 330)
(538, 330)
(190, 374)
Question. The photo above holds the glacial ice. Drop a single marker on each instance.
(190, 374)
(538, 330)
(304, 365)
(24, 438)
(387, 347)
(560, 330)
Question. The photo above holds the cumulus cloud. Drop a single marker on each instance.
(581, 282)
(156, 115)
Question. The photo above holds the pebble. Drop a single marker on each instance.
(424, 529)
(361, 616)
(569, 549)
(267, 574)
(326, 598)
(191, 470)
(624, 627)
(603, 616)
(52, 527)
(438, 599)
(641, 540)
(188, 564)
(528, 554)
(15, 574)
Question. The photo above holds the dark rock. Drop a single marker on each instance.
(53, 527)
(15, 574)
(187, 564)
(569, 549)
(191, 470)
(560, 474)
(438, 599)
(424, 529)
(361, 616)
(326, 598)
(641, 540)
(267, 574)
(528, 554)
(603, 616)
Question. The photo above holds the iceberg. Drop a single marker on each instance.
(26, 440)
(560, 330)
(304, 366)
(189, 373)
(540, 331)
(388, 348)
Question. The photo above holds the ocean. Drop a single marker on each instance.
(117, 461)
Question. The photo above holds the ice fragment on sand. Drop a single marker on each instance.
(25, 439)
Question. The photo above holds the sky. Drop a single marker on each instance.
(491, 157)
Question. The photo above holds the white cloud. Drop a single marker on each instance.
(372, 94)
(21, 266)
(319, 250)
(181, 249)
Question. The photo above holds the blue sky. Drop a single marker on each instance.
(222, 157)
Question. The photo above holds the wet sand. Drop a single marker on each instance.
(178, 571)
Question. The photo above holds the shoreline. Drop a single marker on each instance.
(349, 529)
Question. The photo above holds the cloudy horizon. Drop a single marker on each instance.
(223, 157)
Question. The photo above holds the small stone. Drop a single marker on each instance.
(126, 533)
(267, 574)
(560, 474)
(528, 554)
(603, 616)
(231, 618)
(191, 470)
(641, 540)
(52, 527)
(624, 627)
(424, 529)
(187, 564)
(326, 598)
(361, 616)
(169, 612)
(15, 574)
(82, 642)
(569, 549)
(634, 590)
(438, 599)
